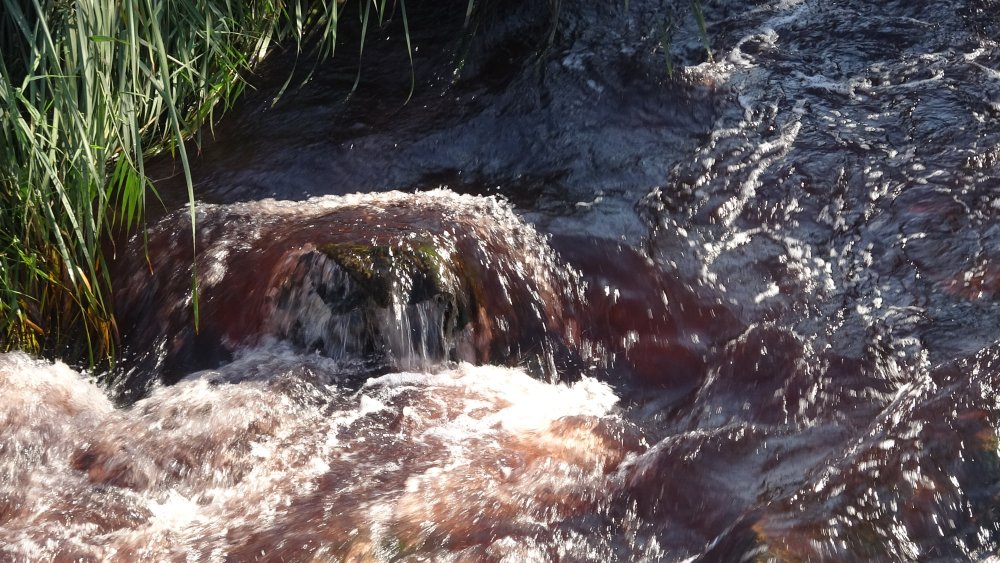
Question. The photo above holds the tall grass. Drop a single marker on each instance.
(88, 90)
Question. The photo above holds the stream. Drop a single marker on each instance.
(557, 305)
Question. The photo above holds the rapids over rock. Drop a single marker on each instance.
(558, 305)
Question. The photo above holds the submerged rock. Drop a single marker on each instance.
(378, 282)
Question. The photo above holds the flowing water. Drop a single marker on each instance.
(559, 306)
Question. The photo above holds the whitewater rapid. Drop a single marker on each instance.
(270, 455)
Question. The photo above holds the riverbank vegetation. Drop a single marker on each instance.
(88, 91)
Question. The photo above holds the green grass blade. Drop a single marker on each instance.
(361, 45)
(175, 123)
(666, 41)
(409, 51)
(699, 17)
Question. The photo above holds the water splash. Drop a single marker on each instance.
(474, 460)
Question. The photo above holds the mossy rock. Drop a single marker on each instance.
(380, 270)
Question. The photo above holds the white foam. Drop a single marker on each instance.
(196, 468)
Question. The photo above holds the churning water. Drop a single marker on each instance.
(571, 309)
(269, 457)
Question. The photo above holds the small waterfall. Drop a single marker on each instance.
(394, 309)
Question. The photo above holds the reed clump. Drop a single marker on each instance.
(88, 90)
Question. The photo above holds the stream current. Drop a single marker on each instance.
(559, 306)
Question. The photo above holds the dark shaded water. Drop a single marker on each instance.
(747, 314)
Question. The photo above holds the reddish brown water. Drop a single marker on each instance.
(572, 310)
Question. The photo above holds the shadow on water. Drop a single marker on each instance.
(758, 300)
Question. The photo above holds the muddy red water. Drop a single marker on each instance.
(559, 306)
